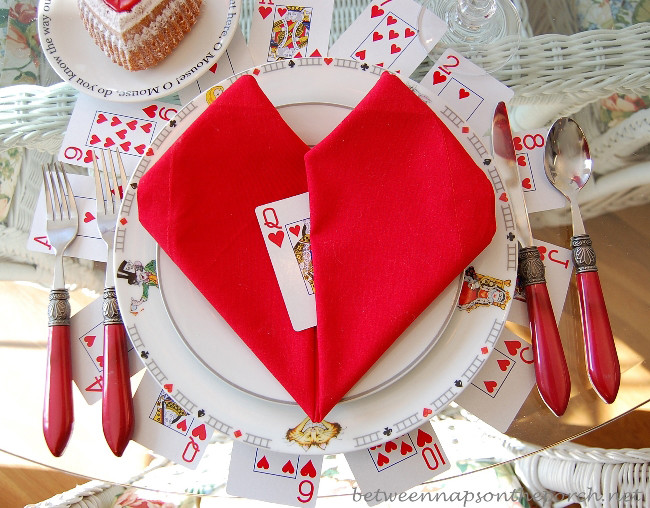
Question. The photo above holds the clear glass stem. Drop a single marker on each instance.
(473, 14)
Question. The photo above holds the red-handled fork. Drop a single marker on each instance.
(117, 402)
(62, 225)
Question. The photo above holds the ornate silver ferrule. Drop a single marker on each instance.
(110, 309)
(58, 309)
(584, 256)
(531, 268)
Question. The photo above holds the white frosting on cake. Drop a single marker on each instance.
(121, 21)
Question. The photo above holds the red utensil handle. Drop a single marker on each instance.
(57, 408)
(602, 361)
(117, 402)
(551, 371)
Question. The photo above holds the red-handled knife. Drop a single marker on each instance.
(551, 371)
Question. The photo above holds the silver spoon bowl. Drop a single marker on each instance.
(568, 167)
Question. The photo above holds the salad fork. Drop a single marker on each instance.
(62, 225)
(117, 402)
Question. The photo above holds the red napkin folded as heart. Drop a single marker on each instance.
(398, 210)
(198, 202)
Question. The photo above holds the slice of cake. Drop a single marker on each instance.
(138, 34)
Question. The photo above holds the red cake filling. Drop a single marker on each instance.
(121, 5)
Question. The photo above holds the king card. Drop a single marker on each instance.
(386, 34)
(283, 32)
(285, 227)
(399, 464)
(257, 473)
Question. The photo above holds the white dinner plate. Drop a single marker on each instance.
(200, 326)
(313, 95)
(78, 60)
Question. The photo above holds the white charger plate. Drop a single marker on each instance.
(313, 95)
(76, 58)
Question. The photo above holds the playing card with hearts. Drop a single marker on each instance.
(503, 384)
(88, 244)
(236, 59)
(386, 34)
(399, 464)
(539, 192)
(470, 92)
(127, 127)
(258, 473)
(558, 263)
(164, 426)
(285, 227)
(281, 32)
(87, 350)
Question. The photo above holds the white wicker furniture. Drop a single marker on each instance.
(593, 477)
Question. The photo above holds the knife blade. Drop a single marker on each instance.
(551, 371)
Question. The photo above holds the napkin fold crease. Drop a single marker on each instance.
(398, 209)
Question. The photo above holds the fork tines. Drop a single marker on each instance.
(59, 198)
(110, 185)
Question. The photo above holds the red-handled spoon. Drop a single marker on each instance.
(568, 167)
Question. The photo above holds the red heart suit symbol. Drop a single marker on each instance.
(263, 463)
(288, 467)
(423, 438)
(308, 470)
(200, 432)
(439, 77)
(150, 111)
(382, 459)
(490, 386)
(390, 446)
(182, 425)
(264, 11)
(319, 365)
(376, 11)
(512, 346)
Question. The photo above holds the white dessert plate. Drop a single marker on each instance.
(78, 60)
(313, 95)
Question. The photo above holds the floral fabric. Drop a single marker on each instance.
(615, 14)
(22, 50)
